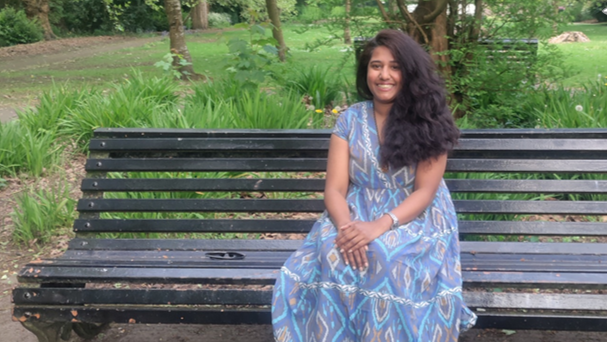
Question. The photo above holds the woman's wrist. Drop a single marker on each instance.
(384, 222)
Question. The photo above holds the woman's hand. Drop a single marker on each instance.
(353, 238)
(358, 258)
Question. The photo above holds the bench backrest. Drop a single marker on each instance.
(504, 182)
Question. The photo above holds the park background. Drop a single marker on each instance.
(70, 66)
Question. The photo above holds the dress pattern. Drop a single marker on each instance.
(411, 290)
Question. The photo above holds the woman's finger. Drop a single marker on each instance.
(360, 265)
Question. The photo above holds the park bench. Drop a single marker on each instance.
(496, 49)
(538, 262)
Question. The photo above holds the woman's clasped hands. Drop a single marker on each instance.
(353, 239)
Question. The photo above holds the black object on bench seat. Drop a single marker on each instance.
(147, 248)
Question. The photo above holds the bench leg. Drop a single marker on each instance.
(50, 331)
(88, 330)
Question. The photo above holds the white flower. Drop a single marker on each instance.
(579, 108)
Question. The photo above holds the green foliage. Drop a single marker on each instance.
(259, 110)
(596, 10)
(166, 65)
(16, 28)
(219, 20)
(137, 102)
(559, 107)
(256, 10)
(320, 84)
(39, 213)
(251, 59)
(24, 150)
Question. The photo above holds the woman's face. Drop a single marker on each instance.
(384, 76)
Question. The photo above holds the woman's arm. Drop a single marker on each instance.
(336, 189)
(427, 180)
(336, 185)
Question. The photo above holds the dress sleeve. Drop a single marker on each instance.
(342, 125)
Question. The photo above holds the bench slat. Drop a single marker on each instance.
(38, 274)
(312, 206)
(314, 144)
(473, 247)
(209, 144)
(317, 185)
(177, 315)
(304, 226)
(521, 133)
(474, 299)
(194, 225)
(273, 259)
(320, 164)
(127, 185)
(208, 164)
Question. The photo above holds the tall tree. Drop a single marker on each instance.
(177, 37)
(274, 15)
(200, 16)
(427, 25)
(347, 33)
(39, 9)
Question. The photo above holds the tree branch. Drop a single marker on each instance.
(440, 7)
(405, 12)
(383, 11)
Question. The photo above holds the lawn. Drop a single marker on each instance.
(588, 60)
(210, 54)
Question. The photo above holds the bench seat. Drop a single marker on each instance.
(192, 226)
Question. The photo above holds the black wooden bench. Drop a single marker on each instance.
(510, 51)
(496, 49)
(532, 257)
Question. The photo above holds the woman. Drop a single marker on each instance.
(382, 263)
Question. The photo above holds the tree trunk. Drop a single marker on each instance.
(429, 28)
(177, 37)
(274, 15)
(39, 9)
(347, 34)
(200, 16)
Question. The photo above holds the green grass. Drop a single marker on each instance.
(588, 60)
(209, 52)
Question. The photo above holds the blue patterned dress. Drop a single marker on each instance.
(411, 290)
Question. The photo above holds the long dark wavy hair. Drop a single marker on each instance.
(420, 125)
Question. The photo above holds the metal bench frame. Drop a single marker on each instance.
(228, 281)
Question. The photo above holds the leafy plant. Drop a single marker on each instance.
(320, 84)
(251, 58)
(219, 20)
(16, 28)
(39, 213)
(166, 64)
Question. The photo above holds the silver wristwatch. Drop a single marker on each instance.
(394, 220)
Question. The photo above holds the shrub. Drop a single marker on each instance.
(597, 11)
(320, 84)
(15, 28)
(39, 213)
(219, 20)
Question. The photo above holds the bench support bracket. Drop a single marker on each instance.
(50, 331)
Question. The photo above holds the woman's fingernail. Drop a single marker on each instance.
(350, 251)
(341, 251)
